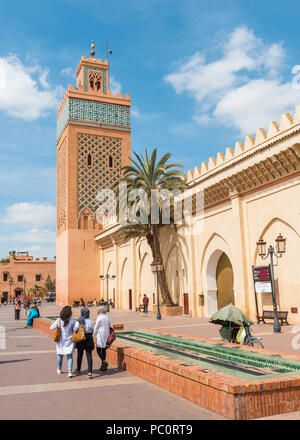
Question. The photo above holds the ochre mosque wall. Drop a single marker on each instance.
(251, 192)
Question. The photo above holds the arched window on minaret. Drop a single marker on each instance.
(91, 83)
(89, 160)
(98, 85)
(110, 162)
(85, 222)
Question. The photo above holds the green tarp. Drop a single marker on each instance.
(229, 314)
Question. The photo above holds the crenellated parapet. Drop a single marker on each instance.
(275, 132)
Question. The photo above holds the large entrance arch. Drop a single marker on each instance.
(219, 282)
(224, 279)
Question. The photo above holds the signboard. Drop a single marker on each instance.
(262, 283)
(261, 273)
(261, 287)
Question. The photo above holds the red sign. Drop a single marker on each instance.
(261, 273)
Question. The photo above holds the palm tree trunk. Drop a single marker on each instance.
(157, 256)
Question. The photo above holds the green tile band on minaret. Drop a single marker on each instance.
(78, 110)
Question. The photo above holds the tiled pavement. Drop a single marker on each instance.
(31, 389)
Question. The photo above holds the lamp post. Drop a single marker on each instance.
(108, 277)
(10, 282)
(156, 267)
(262, 252)
(24, 286)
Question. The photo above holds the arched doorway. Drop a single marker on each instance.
(224, 279)
(219, 283)
(18, 291)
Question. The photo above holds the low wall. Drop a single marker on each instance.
(169, 310)
(44, 324)
(229, 396)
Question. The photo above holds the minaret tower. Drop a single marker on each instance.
(93, 143)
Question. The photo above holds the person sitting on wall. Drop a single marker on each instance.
(33, 313)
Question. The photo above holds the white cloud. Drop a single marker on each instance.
(114, 85)
(255, 104)
(243, 88)
(42, 251)
(25, 91)
(136, 113)
(32, 236)
(68, 71)
(36, 214)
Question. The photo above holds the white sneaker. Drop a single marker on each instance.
(71, 374)
(58, 371)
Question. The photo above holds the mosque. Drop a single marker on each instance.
(251, 192)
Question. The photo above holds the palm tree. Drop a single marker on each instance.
(151, 174)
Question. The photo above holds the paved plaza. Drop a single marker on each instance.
(31, 389)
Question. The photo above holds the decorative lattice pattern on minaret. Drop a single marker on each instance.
(87, 70)
(62, 184)
(99, 166)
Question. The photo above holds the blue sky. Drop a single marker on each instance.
(201, 75)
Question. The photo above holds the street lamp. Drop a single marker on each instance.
(10, 282)
(157, 267)
(24, 286)
(262, 252)
(108, 277)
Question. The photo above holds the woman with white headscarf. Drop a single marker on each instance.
(102, 332)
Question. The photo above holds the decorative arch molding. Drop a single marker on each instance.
(212, 237)
(213, 250)
(145, 278)
(108, 268)
(122, 299)
(122, 270)
(142, 263)
(85, 211)
(174, 240)
(175, 246)
(139, 243)
(285, 222)
(268, 226)
(176, 273)
(85, 217)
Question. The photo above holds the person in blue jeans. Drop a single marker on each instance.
(145, 303)
(65, 346)
(33, 313)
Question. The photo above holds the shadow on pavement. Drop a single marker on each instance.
(97, 373)
(16, 360)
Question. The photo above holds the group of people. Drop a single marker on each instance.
(65, 346)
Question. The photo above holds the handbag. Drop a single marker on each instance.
(57, 332)
(79, 335)
(111, 338)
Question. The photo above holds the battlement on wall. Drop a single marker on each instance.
(262, 137)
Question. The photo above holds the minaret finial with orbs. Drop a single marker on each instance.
(93, 49)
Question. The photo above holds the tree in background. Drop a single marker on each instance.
(7, 259)
(50, 285)
(41, 291)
